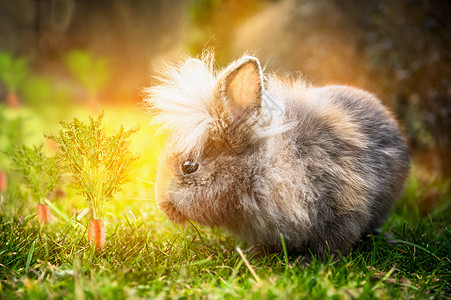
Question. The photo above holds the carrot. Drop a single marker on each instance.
(52, 145)
(43, 213)
(3, 181)
(96, 233)
(13, 100)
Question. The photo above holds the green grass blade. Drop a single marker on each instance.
(30, 256)
(62, 215)
(285, 252)
(417, 246)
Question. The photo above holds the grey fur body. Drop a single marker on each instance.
(324, 172)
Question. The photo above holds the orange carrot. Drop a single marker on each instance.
(13, 100)
(52, 145)
(3, 181)
(96, 233)
(43, 213)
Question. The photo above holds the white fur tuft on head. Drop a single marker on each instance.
(184, 99)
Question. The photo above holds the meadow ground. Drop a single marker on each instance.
(146, 256)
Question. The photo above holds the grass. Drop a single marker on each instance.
(157, 259)
(146, 256)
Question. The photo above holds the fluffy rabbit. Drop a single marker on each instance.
(263, 156)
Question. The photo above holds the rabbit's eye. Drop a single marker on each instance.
(189, 167)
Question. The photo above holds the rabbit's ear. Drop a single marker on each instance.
(242, 86)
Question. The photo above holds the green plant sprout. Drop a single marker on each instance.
(12, 73)
(98, 163)
(11, 134)
(39, 172)
(46, 96)
(90, 71)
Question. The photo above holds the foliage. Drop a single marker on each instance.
(92, 72)
(44, 95)
(12, 71)
(99, 164)
(39, 172)
(11, 135)
(426, 195)
(147, 259)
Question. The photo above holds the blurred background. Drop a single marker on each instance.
(65, 58)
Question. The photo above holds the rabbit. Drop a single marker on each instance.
(270, 158)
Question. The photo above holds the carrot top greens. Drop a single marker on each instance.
(98, 163)
(39, 172)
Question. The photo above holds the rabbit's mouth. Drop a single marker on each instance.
(172, 212)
